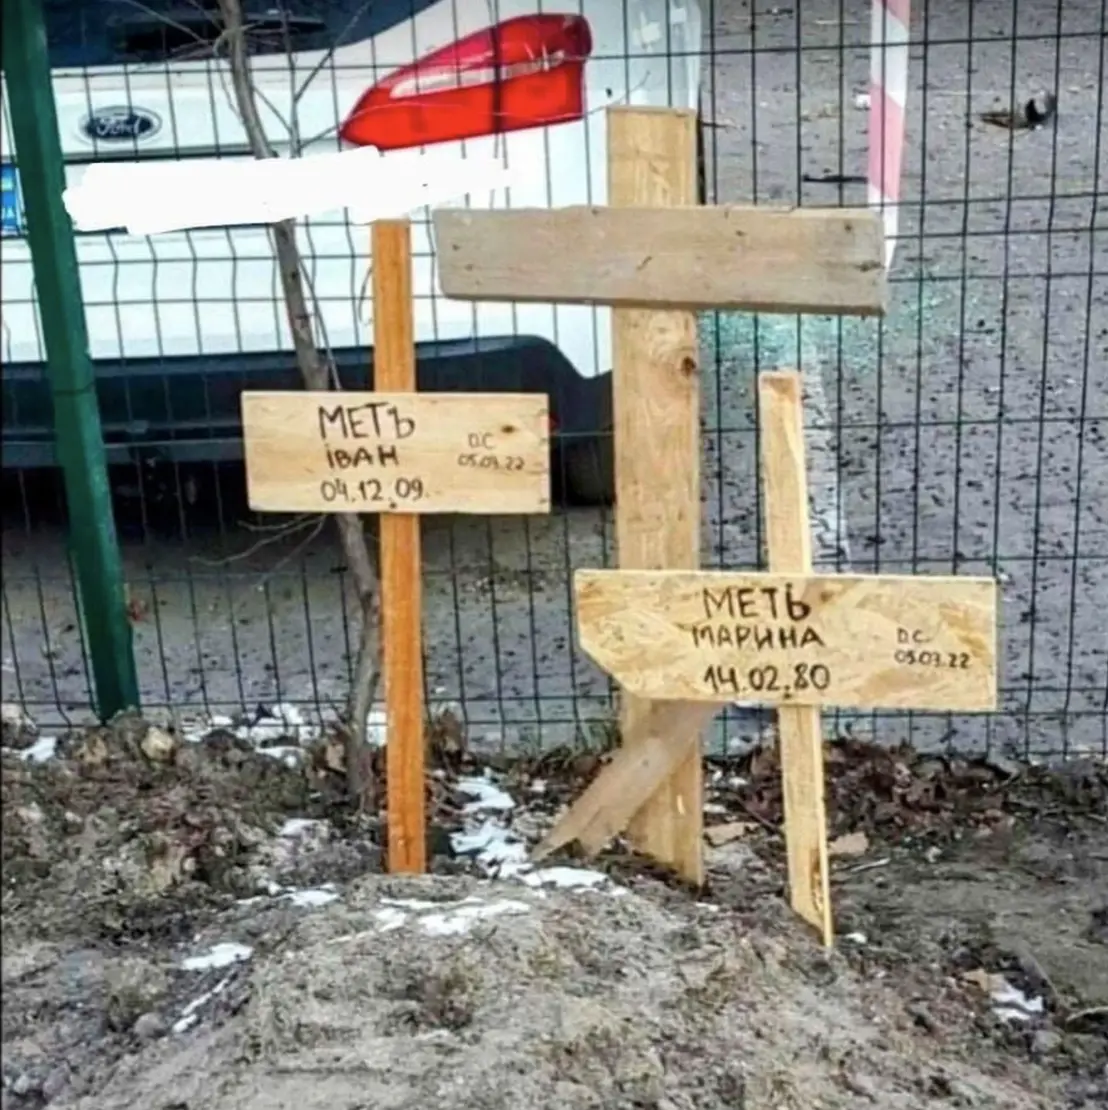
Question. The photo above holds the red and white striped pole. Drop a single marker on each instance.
(888, 95)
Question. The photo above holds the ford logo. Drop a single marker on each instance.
(120, 125)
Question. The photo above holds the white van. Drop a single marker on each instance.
(179, 324)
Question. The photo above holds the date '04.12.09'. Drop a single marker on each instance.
(369, 490)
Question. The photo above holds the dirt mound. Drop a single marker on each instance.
(469, 996)
(128, 831)
(196, 925)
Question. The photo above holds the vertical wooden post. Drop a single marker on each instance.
(401, 597)
(656, 416)
(800, 736)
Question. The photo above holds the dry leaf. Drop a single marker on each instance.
(158, 745)
(718, 835)
(851, 844)
(985, 981)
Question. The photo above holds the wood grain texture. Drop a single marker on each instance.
(887, 641)
(656, 407)
(800, 735)
(638, 253)
(667, 738)
(397, 452)
(401, 566)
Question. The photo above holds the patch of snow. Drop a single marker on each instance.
(390, 918)
(502, 853)
(565, 878)
(296, 827)
(735, 747)
(376, 726)
(264, 730)
(278, 722)
(443, 919)
(1013, 1005)
(311, 899)
(290, 757)
(189, 1015)
(219, 955)
(486, 794)
(41, 751)
(496, 849)
(465, 915)
(15, 717)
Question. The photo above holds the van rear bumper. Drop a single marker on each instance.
(187, 409)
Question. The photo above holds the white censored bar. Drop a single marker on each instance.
(149, 198)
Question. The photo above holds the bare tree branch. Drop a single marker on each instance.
(314, 370)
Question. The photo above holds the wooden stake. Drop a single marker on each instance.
(656, 410)
(401, 598)
(789, 543)
(668, 738)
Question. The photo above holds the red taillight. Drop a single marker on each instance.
(524, 72)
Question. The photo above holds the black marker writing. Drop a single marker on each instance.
(756, 636)
(373, 420)
(755, 603)
(343, 458)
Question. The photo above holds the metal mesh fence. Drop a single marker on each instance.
(967, 432)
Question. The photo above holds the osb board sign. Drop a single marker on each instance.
(854, 641)
(338, 452)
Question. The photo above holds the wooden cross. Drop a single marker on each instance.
(656, 256)
(400, 454)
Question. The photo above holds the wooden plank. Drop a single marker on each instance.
(656, 414)
(800, 736)
(750, 258)
(401, 577)
(849, 640)
(664, 744)
(397, 452)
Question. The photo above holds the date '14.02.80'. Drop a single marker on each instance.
(767, 678)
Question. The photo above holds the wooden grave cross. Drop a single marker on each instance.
(656, 256)
(401, 454)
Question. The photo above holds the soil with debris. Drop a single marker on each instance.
(198, 926)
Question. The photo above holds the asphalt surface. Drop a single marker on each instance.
(965, 433)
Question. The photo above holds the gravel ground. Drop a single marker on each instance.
(981, 446)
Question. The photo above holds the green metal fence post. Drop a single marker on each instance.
(78, 435)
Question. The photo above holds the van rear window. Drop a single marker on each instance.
(90, 33)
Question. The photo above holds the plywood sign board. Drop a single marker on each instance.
(853, 641)
(822, 261)
(397, 452)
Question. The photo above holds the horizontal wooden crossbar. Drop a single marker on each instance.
(740, 257)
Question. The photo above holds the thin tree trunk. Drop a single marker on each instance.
(314, 372)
